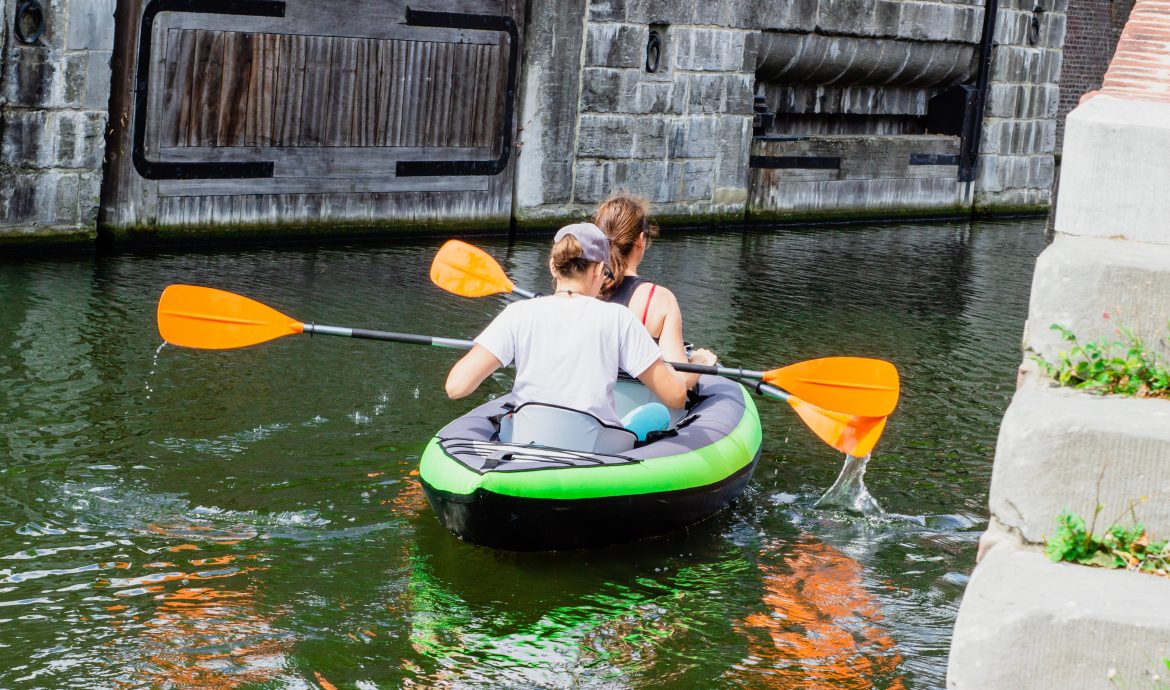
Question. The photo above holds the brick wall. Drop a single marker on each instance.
(1094, 27)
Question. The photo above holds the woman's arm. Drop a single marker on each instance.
(666, 383)
(671, 339)
(470, 371)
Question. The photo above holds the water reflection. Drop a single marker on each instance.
(819, 628)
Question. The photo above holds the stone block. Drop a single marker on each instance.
(710, 50)
(1094, 286)
(734, 140)
(30, 73)
(928, 21)
(850, 17)
(1023, 101)
(64, 206)
(693, 137)
(1114, 177)
(997, 173)
(97, 83)
(661, 11)
(1025, 65)
(658, 181)
(79, 141)
(18, 200)
(1019, 137)
(605, 136)
(650, 138)
(605, 90)
(739, 96)
(1026, 622)
(27, 138)
(91, 25)
(698, 180)
(1012, 200)
(607, 10)
(705, 93)
(616, 45)
(594, 181)
(665, 97)
(73, 87)
(89, 197)
(794, 15)
(714, 12)
(1061, 449)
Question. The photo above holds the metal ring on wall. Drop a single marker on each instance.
(30, 21)
(1034, 25)
(653, 51)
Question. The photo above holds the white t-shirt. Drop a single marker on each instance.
(568, 350)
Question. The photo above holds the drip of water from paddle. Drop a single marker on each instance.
(153, 368)
(849, 492)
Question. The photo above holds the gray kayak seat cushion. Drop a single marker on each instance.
(561, 427)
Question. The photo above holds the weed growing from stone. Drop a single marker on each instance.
(1120, 547)
(1116, 367)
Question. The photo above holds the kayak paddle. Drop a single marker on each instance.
(211, 319)
(851, 385)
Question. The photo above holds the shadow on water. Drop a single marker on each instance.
(253, 517)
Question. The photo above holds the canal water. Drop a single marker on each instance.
(181, 518)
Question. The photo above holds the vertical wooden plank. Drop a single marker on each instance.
(255, 79)
(406, 56)
(171, 91)
(206, 113)
(236, 84)
(477, 96)
(345, 53)
(355, 123)
(271, 84)
(373, 80)
(316, 84)
(290, 106)
(383, 90)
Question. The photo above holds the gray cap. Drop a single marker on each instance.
(594, 243)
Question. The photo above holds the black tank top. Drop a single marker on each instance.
(625, 291)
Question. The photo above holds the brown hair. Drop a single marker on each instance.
(622, 217)
(567, 259)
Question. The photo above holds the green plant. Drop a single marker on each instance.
(1120, 547)
(1119, 367)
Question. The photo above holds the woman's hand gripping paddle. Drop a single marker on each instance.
(211, 319)
(844, 400)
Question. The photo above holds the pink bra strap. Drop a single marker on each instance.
(648, 298)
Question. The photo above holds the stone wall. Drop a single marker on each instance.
(1093, 30)
(54, 97)
(1018, 143)
(1025, 621)
(677, 135)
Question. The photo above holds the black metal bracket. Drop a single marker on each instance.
(158, 170)
(934, 159)
(474, 22)
(796, 162)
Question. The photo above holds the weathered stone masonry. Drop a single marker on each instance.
(754, 111)
(54, 99)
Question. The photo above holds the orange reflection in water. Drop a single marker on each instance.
(821, 629)
(200, 636)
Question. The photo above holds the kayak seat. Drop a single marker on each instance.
(562, 427)
(632, 394)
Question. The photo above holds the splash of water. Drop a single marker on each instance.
(849, 492)
(153, 368)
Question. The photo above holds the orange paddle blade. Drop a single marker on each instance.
(851, 385)
(849, 434)
(210, 319)
(468, 271)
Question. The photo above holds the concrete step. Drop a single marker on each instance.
(1063, 449)
(1026, 622)
(1094, 286)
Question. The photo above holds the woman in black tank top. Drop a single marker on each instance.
(623, 218)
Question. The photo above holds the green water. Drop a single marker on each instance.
(180, 518)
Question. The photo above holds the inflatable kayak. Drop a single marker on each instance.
(540, 477)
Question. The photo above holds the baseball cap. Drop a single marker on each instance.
(594, 243)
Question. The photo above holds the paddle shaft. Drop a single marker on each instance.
(457, 344)
(314, 328)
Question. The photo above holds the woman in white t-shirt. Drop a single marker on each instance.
(569, 346)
